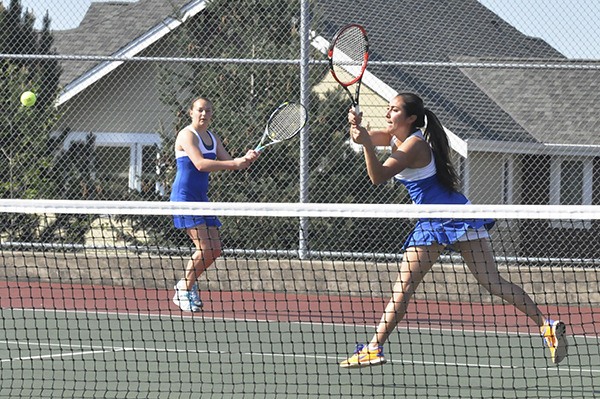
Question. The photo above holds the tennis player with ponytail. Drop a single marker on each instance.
(420, 160)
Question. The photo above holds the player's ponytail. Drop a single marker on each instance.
(438, 140)
(435, 135)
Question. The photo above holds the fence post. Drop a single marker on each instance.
(304, 135)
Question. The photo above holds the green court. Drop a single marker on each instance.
(56, 353)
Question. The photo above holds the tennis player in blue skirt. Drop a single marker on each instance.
(420, 160)
(198, 152)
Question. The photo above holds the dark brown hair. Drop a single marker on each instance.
(435, 135)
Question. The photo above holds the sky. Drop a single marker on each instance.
(570, 26)
(65, 14)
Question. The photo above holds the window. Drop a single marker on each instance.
(507, 181)
(571, 183)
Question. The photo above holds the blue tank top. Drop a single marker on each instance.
(423, 184)
(424, 187)
(190, 184)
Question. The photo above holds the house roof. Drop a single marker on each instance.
(438, 31)
(559, 106)
(116, 29)
(475, 103)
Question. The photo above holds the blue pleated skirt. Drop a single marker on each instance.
(444, 231)
(189, 221)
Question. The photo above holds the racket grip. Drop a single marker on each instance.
(357, 109)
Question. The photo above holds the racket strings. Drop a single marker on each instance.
(287, 122)
(349, 52)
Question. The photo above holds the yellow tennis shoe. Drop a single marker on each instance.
(555, 338)
(364, 357)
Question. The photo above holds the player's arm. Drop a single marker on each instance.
(188, 142)
(380, 138)
(403, 157)
(223, 154)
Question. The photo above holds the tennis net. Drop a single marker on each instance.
(87, 307)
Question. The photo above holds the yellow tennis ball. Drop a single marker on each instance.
(28, 98)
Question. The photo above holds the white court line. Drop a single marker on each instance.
(107, 349)
(96, 349)
(201, 316)
(426, 363)
(104, 349)
(56, 355)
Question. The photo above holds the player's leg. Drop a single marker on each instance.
(207, 241)
(416, 262)
(479, 258)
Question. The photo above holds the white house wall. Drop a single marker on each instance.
(134, 122)
(124, 101)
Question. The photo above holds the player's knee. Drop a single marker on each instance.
(216, 252)
(207, 255)
(502, 288)
(493, 287)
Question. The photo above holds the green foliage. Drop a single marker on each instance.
(244, 95)
(26, 150)
(25, 137)
(74, 168)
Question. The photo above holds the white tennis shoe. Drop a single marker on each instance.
(195, 295)
(187, 300)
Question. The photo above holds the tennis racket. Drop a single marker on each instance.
(348, 57)
(283, 124)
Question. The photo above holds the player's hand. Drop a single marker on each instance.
(252, 155)
(354, 118)
(241, 163)
(359, 135)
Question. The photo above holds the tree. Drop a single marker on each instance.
(26, 146)
(244, 95)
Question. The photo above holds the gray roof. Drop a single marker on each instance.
(497, 104)
(559, 106)
(109, 27)
(441, 31)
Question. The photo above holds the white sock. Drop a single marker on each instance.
(373, 347)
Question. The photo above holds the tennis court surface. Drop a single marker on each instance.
(97, 320)
(89, 343)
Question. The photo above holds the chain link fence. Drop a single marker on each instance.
(115, 86)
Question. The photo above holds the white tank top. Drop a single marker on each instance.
(411, 174)
(201, 146)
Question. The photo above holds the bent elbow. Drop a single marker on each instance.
(377, 180)
(202, 166)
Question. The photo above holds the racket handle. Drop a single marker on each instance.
(262, 147)
(357, 109)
